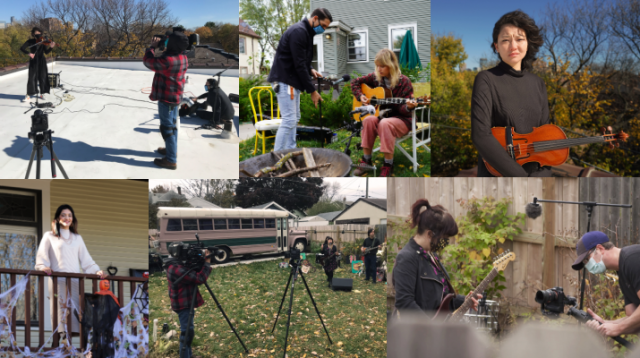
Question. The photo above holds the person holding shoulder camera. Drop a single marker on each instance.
(597, 254)
(167, 89)
(182, 293)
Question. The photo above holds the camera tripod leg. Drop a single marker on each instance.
(39, 154)
(286, 336)
(225, 316)
(54, 157)
(282, 302)
(316, 307)
(33, 152)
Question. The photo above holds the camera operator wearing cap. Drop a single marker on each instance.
(182, 293)
(167, 89)
(598, 254)
(292, 70)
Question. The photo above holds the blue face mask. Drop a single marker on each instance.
(206, 88)
(595, 267)
(166, 43)
(318, 29)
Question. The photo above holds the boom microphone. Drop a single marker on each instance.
(345, 78)
(369, 109)
(533, 210)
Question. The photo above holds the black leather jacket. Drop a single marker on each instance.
(416, 284)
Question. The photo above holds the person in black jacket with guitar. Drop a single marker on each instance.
(330, 263)
(420, 280)
(370, 249)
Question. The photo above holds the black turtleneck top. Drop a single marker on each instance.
(505, 97)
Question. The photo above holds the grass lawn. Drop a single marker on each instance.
(251, 294)
(402, 166)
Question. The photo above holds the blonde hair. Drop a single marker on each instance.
(386, 57)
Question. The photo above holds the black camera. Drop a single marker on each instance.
(293, 255)
(39, 122)
(193, 254)
(553, 300)
(161, 42)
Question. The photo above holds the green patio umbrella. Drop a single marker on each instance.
(408, 52)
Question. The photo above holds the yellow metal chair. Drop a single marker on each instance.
(263, 122)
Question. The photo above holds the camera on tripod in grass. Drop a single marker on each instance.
(293, 255)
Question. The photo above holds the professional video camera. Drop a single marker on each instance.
(39, 123)
(294, 256)
(192, 255)
(553, 300)
(194, 39)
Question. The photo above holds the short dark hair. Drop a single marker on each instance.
(322, 14)
(533, 33)
(369, 231)
(608, 245)
(434, 218)
(35, 29)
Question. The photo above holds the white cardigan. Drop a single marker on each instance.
(62, 255)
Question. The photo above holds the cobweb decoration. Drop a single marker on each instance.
(8, 301)
(132, 319)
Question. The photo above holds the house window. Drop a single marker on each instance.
(397, 33)
(242, 45)
(358, 46)
(244, 71)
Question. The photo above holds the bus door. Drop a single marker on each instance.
(281, 233)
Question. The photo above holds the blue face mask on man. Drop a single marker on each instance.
(596, 267)
(206, 88)
(318, 29)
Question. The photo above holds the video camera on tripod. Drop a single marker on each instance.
(40, 134)
(193, 255)
(194, 39)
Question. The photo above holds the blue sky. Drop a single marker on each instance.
(473, 21)
(191, 13)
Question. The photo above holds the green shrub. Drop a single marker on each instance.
(417, 74)
(334, 113)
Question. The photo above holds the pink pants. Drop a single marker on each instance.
(388, 129)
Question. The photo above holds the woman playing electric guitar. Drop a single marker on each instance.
(330, 263)
(387, 75)
(419, 278)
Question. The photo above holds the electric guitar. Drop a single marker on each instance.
(499, 264)
(381, 96)
(366, 251)
(325, 260)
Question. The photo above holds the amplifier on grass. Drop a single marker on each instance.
(54, 80)
(321, 134)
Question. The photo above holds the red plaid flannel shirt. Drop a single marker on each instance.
(404, 89)
(168, 83)
(181, 296)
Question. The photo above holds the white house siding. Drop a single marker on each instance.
(376, 15)
(363, 210)
(252, 49)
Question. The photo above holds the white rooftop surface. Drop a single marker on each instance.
(119, 142)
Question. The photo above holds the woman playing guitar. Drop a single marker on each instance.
(330, 263)
(509, 95)
(420, 280)
(387, 75)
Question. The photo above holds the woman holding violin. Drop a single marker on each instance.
(36, 48)
(510, 96)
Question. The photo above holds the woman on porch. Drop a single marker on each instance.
(63, 250)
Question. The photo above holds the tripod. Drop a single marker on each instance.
(589, 206)
(192, 312)
(356, 129)
(40, 140)
(295, 270)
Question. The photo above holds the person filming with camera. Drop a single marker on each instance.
(167, 89)
(181, 294)
(598, 254)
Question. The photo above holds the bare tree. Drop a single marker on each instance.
(625, 24)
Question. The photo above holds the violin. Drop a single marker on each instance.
(547, 144)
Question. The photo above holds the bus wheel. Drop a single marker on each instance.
(222, 257)
(300, 245)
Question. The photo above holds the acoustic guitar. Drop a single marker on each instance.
(499, 264)
(547, 144)
(381, 96)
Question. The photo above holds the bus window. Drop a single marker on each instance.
(190, 224)
(205, 224)
(258, 223)
(174, 225)
(271, 223)
(234, 224)
(221, 224)
(246, 224)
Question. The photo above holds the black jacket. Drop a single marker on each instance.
(417, 287)
(223, 105)
(292, 62)
(368, 243)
